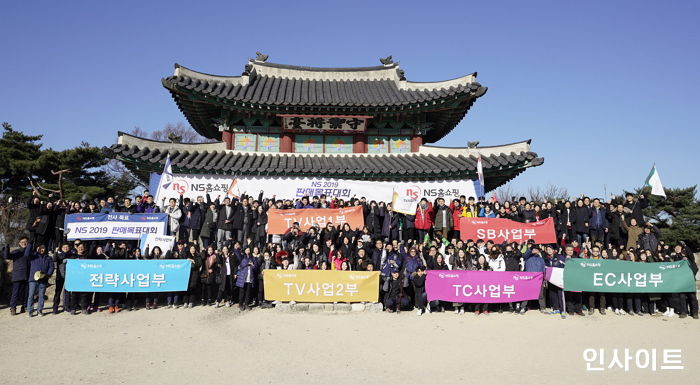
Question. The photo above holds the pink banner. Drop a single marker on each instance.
(504, 230)
(482, 286)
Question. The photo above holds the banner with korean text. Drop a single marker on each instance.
(150, 241)
(194, 185)
(127, 276)
(279, 221)
(500, 230)
(114, 225)
(614, 276)
(321, 285)
(464, 286)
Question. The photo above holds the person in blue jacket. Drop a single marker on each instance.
(40, 269)
(534, 263)
(20, 272)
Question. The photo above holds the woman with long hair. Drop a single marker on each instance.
(208, 274)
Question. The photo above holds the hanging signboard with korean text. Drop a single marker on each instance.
(482, 286)
(114, 225)
(127, 276)
(279, 221)
(325, 123)
(321, 285)
(615, 276)
(504, 230)
(219, 186)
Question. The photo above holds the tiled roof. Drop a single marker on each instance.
(386, 166)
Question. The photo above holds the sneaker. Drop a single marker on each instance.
(216, 304)
(590, 311)
(41, 314)
(442, 309)
(523, 310)
(427, 308)
(602, 311)
(388, 310)
(562, 315)
(72, 312)
(671, 314)
(117, 309)
(477, 312)
(228, 304)
(110, 309)
(13, 311)
(617, 311)
(580, 313)
(456, 310)
(695, 316)
(486, 312)
(683, 315)
(639, 313)
(461, 310)
(191, 305)
(184, 306)
(419, 312)
(170, 306)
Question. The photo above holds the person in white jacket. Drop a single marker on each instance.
(174, 215)
(496, 260)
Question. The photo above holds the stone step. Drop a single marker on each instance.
(287, 307)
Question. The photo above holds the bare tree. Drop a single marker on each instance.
(505, 193)
(548, 193)
(183, 132)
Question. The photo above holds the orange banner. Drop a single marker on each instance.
(279, 221)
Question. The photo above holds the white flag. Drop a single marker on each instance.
(654, 181)
(166, 178)
(480, 172)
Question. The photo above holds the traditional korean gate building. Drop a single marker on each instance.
(367, 123)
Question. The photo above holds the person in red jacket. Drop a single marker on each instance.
(456, 208)
(424, 218)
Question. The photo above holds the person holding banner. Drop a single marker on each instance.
(534, 263)
(80, 298)
(573, 299)
(195, 258)
(687, 300)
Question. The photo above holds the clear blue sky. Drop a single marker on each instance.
(603, 88)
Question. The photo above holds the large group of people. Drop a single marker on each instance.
(227, 243)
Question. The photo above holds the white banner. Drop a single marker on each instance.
(192, 186)
(113, 226)
(150, 241)
(405, 200)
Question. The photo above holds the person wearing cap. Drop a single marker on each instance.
(40, 269)
(534, 263)
(395, 297)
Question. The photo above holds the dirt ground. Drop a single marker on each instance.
(217, 346)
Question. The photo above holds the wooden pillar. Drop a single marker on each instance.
(359, 144)
(416, 142)
(286, 142)
(227, 137)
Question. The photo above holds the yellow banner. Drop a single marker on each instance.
(321, 286)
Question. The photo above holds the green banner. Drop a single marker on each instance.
(614, 276)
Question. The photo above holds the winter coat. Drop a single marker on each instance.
(259, 225)
(390, 226)
(534, 262)
(582, 214)
(20, 264)
(245, 268)
(598, 219)
(233, 265)
(424, 217)
(498, 263)
(174, 215)
(443, 218)
(40, 262)
(633, 233)
(209, 224)
(222, 218)
(191, 216)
